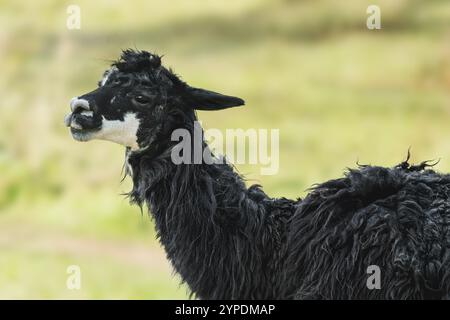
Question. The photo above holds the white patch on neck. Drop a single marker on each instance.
(129, 168)
(122, 132)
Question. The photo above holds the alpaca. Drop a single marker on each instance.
(230, 241)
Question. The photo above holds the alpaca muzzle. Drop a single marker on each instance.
(81, 117)
(82, 121)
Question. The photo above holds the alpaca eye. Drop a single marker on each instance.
(141, 99)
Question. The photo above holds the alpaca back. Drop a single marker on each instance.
(396, 219)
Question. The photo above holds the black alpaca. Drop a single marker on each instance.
(228, 241)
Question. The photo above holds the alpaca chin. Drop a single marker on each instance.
(81, 135)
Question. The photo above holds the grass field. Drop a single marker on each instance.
(338, 92)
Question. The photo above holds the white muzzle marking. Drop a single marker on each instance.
(76, 103)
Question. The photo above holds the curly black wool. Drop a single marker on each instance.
(230, 241)
(394, 218)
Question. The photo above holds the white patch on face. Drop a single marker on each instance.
(105, 78)
(87, 113)
(121, 132)
(107, 75)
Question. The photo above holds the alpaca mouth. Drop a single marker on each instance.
(82, 125)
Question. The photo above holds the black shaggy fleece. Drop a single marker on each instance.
(225, 240)
(397, 219)
(228, 241)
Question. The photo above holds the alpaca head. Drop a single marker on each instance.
(138, 102)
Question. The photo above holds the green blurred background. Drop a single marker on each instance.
(338, 92)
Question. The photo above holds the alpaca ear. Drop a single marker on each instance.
(202, 99)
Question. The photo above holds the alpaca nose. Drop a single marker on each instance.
(78, 105)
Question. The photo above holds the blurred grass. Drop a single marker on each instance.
(338, 92)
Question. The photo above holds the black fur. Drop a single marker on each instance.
(397, 219)
(228, 241)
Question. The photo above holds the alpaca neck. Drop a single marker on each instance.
(219, 235)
